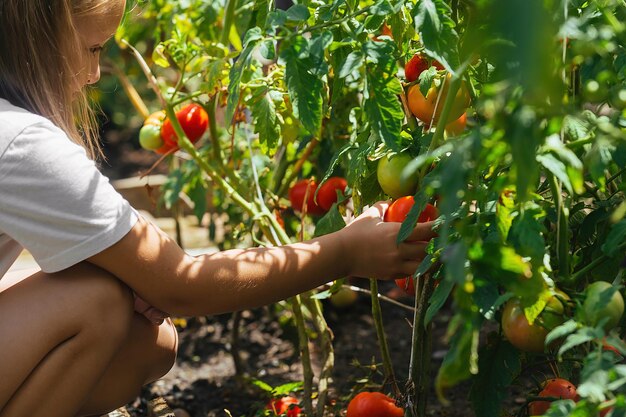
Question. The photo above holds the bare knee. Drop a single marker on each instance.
(165, 351)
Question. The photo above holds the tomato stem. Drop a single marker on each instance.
(382, 338)
(562, 238)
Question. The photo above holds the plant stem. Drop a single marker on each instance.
(562, 238)
(382, 338)
(592, 265)
(305, 355)
(328, 353)
(229, 15)
(298, 166)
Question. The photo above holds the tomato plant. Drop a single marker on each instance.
(373, 404)
(530, 194)
(556, 387)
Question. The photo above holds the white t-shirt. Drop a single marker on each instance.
(53, 200)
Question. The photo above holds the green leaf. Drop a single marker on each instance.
(353, 62)
(526, 234)
(236, 72)
(298, 13)
(438, 299)
(498, 366)
(598, 160)
(460, 360)
(561, 331)
(615, 238)
(557, 168)
(436, 28)
(197, 192)
(382, 105)
(487, 297)
(421, 199)
(584, 335)
(330, 222)
(305, 88)
(265, 119)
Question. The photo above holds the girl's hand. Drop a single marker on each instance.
(372, 249)
(153, 314)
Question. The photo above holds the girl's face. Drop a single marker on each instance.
(95, 30)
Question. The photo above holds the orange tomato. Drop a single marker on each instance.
(427, 108)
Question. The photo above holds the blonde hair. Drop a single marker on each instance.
(39, 48)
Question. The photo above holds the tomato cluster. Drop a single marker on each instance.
(157, 133)
(326, 196)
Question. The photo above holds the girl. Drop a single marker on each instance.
(72, 343)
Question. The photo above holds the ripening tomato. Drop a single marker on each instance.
(193, 119)
(373, 404)
(389, 174)
(297, 193)
(555, 387)
(327, 195)
(598, 308)
(527, 337)
(427, 108)
(284, 406)
(397, 212)
(417, 65)
(457, 127)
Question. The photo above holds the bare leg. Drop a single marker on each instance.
(59, 334)
(148, 353)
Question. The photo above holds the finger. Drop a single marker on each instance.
(413, 250)
(377, 210)
(409, 267)
(423, 231)
(141, 306)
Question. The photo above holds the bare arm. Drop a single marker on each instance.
(155, 267)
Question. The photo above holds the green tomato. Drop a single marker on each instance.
(598, 305)
(389, 174)
(150, 137)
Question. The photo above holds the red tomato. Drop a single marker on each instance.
(284, 406)
(556, 387)
(458, 126)
(417, 65)
(397, 212)
(194, 121)
(407, 285)
(400, 208)
(327, 195)
(428, 109)
(373, 404)
(297, 193)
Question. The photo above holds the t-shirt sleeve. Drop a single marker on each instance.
(55, 202)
